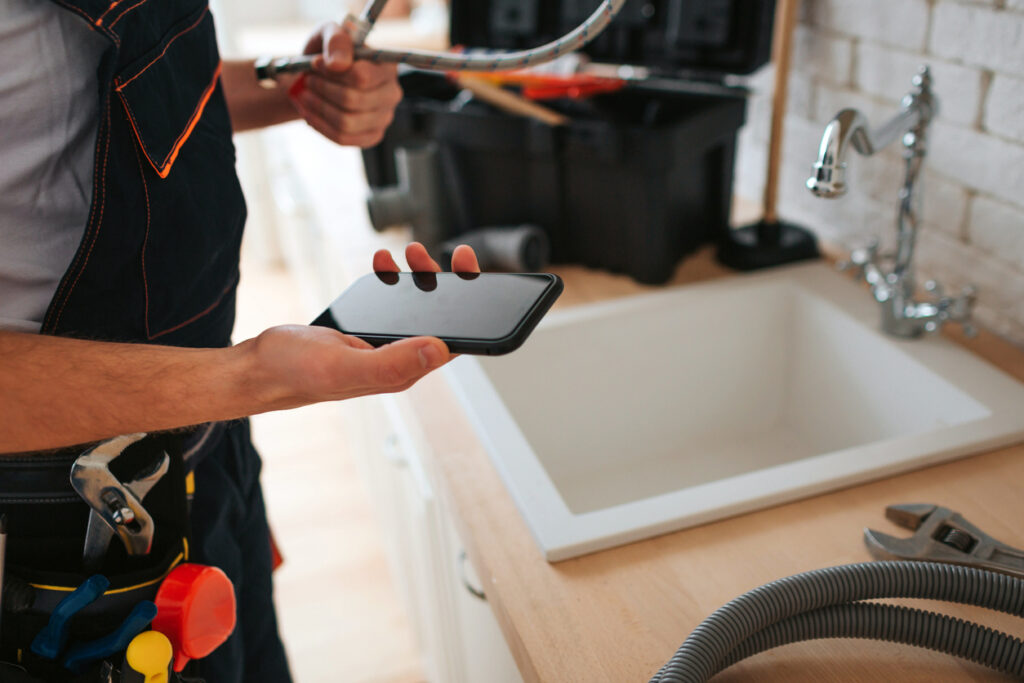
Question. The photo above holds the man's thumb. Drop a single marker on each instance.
(337, 47)
(404, 361)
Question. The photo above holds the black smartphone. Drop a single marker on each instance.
(480, 313)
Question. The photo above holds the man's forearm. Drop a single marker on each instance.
(58, 392)
(250, 105)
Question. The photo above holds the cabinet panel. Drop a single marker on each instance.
(459, 639)
(483, 653)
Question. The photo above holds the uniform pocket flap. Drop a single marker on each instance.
(164, 93)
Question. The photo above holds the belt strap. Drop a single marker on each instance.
(43, 477)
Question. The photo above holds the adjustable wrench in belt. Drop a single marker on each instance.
(116, 506)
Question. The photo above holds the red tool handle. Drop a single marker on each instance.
(196, 611)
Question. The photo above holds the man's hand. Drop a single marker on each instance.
(304, 365)
(351, 103)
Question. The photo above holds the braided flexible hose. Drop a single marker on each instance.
(372, 11)
(359, 27)
(708, 649)
(438, 61)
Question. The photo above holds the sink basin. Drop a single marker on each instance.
(622, 420)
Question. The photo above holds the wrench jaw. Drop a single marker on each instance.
(922, 548)
(97, 539)
(910, 515)
(136, 529)
(116, 507)
(885, 547)
(942, 535)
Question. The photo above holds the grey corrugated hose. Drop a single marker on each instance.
(823, 604)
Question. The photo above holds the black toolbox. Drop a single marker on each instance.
(639, 177)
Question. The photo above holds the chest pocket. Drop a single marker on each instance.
(165, 93)
(194, 210)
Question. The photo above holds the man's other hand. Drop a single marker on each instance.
(349, 102)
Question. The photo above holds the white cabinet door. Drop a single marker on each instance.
(481, 647)
(460, 640)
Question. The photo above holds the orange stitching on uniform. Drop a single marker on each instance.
(110, 34)
(202, 16)
(107, 11)
(197, 114)
(138, 135)
(145, 240)
(92, 215)
(89, 224)
(99, 219)
(164, 168)
(197, 316)
(125, 11)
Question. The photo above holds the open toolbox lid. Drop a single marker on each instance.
(704, 39)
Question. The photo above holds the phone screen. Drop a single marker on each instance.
(485, 307)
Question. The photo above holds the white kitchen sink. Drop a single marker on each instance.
(622, 420)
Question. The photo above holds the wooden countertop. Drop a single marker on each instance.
(618, 615)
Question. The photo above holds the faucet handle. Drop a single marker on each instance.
(860, 258)
(935, 288)
(960, 309)
(963, 305)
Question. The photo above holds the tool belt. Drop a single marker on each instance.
(47, 522)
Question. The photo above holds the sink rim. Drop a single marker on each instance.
(562, 534)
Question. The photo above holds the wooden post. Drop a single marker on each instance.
(785, 22)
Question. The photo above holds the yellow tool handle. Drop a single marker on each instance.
(148, 658)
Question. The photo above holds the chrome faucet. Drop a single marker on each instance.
(891, 276)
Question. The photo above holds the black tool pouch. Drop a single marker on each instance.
(13, 673)
(46, 534)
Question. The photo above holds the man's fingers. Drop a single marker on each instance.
(367, 75)
(346, 123)
(337, 48)
(384, 262)
(419, 260)
(314, 116)
(464, 260)
(315, 44)
(350, 99)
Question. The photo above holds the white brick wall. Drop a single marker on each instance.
(1004, 111)
(891, 22)
(863, 53)
(978, 36)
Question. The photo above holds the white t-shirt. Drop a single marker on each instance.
(49, 103)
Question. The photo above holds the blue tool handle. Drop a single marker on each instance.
(51, 640)
(81, 655)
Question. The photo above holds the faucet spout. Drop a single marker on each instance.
(828, 179)
(891, 278)
(850, 128)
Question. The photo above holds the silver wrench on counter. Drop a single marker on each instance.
(942, 535)
(116, 506)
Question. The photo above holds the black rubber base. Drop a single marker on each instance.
(763, 245)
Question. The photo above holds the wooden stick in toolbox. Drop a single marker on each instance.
(785, 23)
(509, 101)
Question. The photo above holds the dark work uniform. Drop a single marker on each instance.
(159, 264)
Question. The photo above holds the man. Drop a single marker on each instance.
(120, 223)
